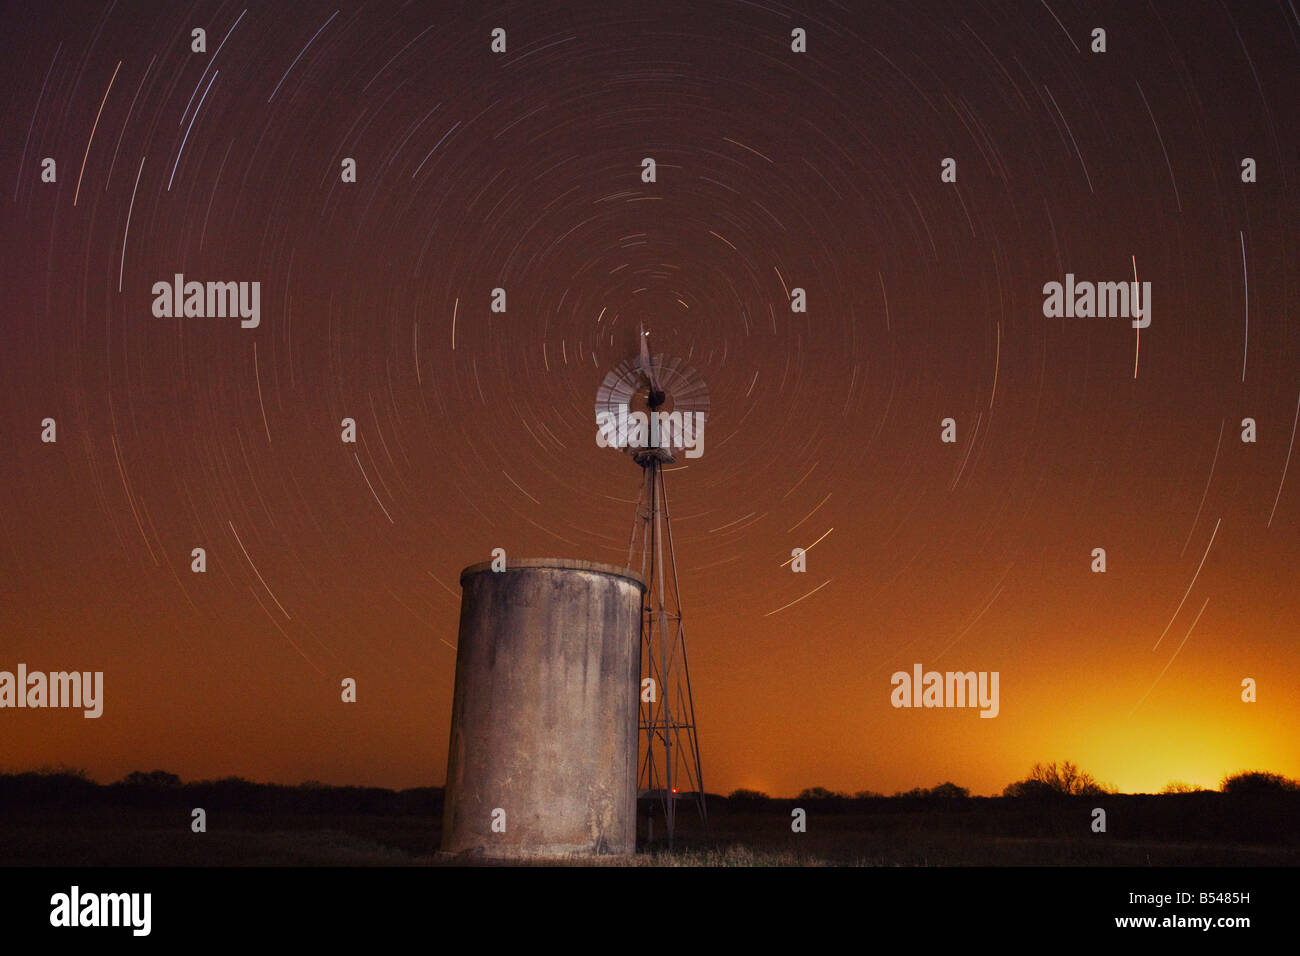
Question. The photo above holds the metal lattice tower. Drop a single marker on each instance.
(669, 767)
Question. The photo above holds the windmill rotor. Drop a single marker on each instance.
(661, 378)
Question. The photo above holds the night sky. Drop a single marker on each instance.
(774, 170)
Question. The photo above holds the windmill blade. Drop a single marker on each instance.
(645, 365)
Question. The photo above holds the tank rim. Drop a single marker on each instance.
(557, 564)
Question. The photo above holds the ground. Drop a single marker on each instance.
(379, 828)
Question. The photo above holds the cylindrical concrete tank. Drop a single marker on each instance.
(543, 754)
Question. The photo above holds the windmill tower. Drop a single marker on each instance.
(676, 404)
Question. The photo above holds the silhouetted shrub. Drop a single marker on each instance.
(1179, 786)
(1258, 781)
(1048, 780)
(820, 793)
(944, 791)
(949, 791)
(916, 793)
(155, 778)
(1031, 789)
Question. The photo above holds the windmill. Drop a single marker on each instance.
(675, 398)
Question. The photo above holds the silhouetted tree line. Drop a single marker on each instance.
(65, 787)
(1046, 781)
(944, 791)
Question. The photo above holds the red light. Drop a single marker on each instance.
(674, 789)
